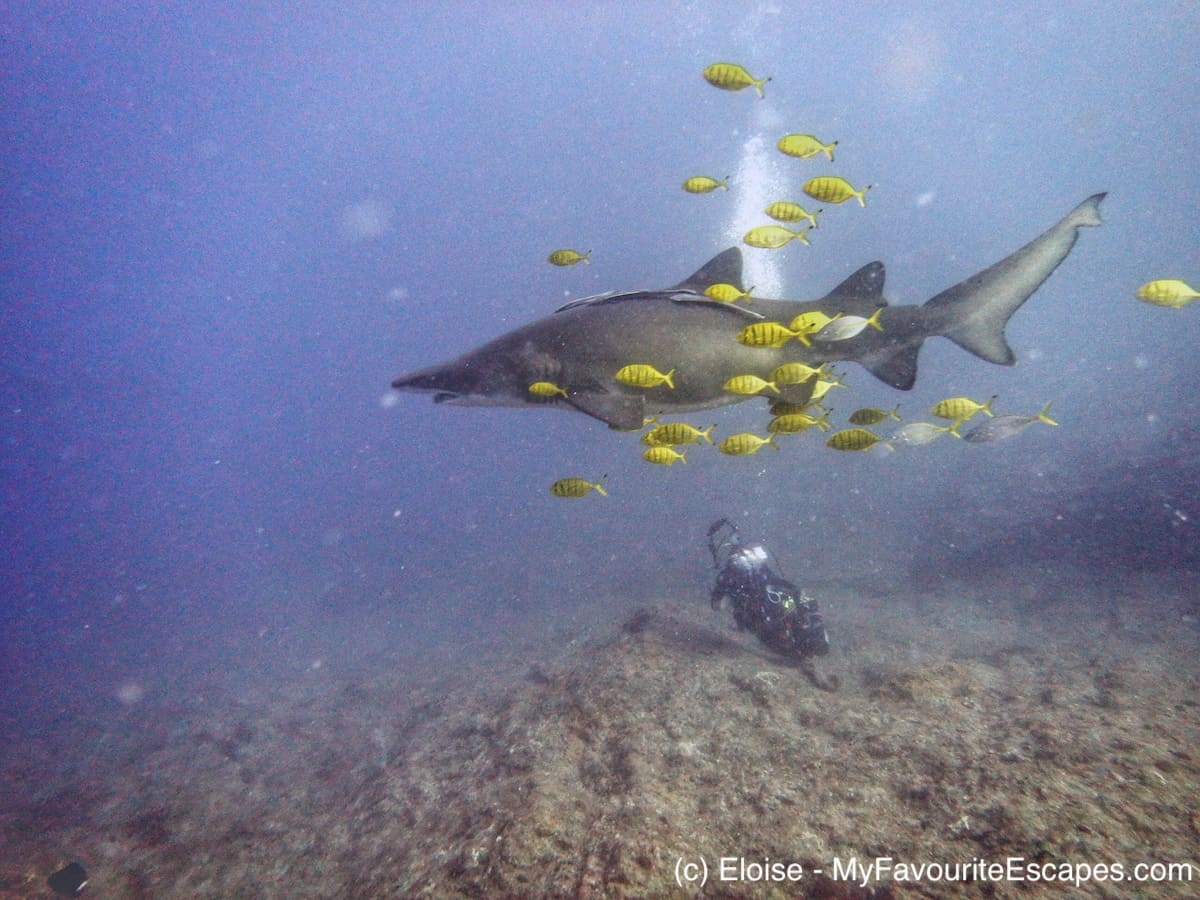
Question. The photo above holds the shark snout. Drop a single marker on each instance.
(441, 379)
(449, 383)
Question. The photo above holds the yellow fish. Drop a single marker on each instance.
(804, 146)
(810, 323)
(853, 439)
(786, 211)
(871, 415)
(832, 189)
(727, 293)
(772, 237)
(643, 376)
(1168, 292)
(748, 385)
(765, 334)
(845, 327)
(793, 373)
(663, 456)
(744, 443)
(794, 423)
(676, 433)
(960, 409)
(546, 389)
(732, 77)
(783, 408)
(823, 386)
(568, 258)
(577, 487)
(702, 184)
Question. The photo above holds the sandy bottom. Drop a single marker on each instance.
(1051, 718)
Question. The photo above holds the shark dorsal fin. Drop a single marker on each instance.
(865, 284)
(724, 268)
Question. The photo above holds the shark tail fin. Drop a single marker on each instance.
(1087, 213)
(974, 313)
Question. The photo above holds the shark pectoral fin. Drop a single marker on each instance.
(623, 412)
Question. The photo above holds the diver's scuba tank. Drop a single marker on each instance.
(723, 539)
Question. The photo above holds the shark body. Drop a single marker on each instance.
(581, 346)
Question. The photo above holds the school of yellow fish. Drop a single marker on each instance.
(664, 440)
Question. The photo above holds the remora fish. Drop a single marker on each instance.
(581, 345)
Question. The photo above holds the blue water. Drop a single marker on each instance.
(225, 232)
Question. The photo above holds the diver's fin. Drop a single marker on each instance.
(623, 412)
(865, 284)
(724, 268)
(974, 312)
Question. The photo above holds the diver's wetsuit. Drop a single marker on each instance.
(781, 615)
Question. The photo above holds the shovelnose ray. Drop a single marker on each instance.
(581, 346)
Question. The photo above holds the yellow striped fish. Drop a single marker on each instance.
(784, 408)
(794, 423)
(643, 376)
(732, 77)
(744, 443)
(961, 409)
(794, 373)
(663, 455)
(786, 211)
(772, 237)
(804, 146)
(852, 439)
(748, 385)
(810, 323)
(676, 433)
(1168, 292)
(823, 386)
(832, 189)
(872, 415)
(546, 389)
(727, 293)
(702, 184)
(568, 258)
(577, 487)
(765, 334)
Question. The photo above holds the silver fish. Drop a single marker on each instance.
(1003, 427)
(845, 327)
(915, 434)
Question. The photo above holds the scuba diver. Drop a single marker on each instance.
(781, 615)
